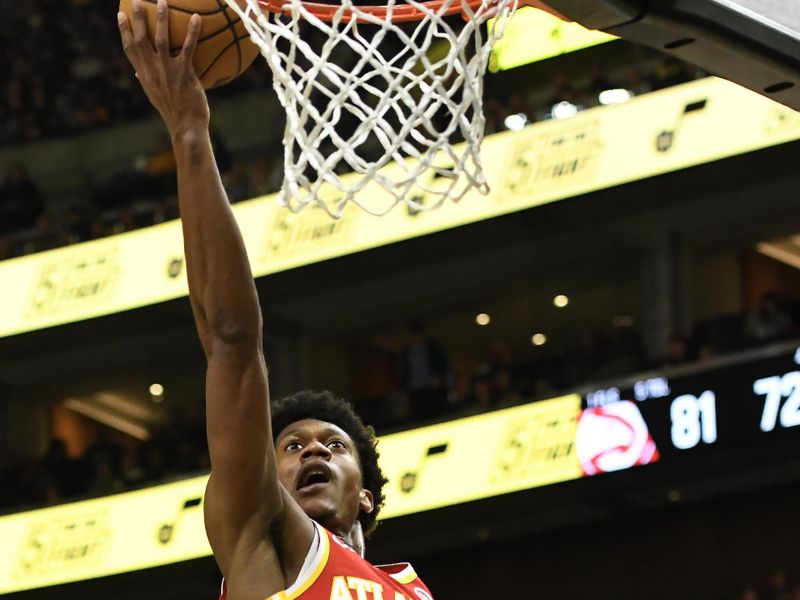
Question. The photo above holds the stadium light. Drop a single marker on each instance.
(156, 392)
(483, 319)
(615, 96)
(516, 122)
(563, 110)
(539, 339)
(561, 301)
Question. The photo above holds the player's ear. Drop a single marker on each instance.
(366, 501)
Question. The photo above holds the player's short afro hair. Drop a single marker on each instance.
(324, 406)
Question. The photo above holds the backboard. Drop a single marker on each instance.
(755, 43)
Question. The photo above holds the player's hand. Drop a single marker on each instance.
(169, 81)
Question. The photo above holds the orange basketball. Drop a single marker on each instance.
(224, 49)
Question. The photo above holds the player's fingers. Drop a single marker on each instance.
(125, 31)
(162, 29)
(192, 34)
(137, 22)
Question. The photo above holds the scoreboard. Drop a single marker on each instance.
(663, 418)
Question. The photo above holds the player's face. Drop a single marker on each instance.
(318, 464)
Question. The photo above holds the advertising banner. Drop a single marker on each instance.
(604, 147)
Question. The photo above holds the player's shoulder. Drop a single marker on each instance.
(402, 574)
(405, 575)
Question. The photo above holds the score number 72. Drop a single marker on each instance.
(776, 388)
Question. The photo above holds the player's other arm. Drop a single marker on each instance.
(244, 501)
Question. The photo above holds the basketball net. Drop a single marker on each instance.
(365, 87)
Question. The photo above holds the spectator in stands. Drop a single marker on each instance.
(105, 479)
(670, 72)
(504, 392)
(795, 594)
(45, 237)
(768, 321)
(581, 363)
(77, 227)
(625, 353)
(183, 457)
(164, 210)
(518, 105)
(479, 398)
(221, 153)
(778, 586)
(20, 200)
(494, 113)
(124, 221)
(157, 171)
(563, 89)
(427, 378)
(635, 81)
(266, 175)
(35, 485)
(6, 246)
(70, 476)
(601, 80)
(154, 460)
(677, 351)
(132, 469)
(502, 378)
(238, 183)
(150, 177)
(706, 350)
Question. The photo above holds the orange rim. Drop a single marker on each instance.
(400, 14)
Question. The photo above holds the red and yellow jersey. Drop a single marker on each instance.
(334, 571)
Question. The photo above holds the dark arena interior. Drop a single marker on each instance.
(586, 384)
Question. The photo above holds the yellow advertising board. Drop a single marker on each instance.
(679, 127)
(532, 35)
(431, 467)
(480, 457)
(94, 538)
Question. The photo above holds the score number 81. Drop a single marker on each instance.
(693, 419)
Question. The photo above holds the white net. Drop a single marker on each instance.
(372, 100)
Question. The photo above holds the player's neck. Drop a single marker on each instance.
(353, 537)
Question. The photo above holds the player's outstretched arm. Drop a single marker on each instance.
(245, 503)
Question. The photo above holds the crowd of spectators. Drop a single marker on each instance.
(106, 467)
(59, 82)
(540, 101)
(144, 193)
(64, 72)
(431, 389)
(776, 586)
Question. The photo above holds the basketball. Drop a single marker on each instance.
(224, 49)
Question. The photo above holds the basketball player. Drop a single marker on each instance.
(290, 496)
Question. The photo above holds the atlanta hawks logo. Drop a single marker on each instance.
(422, 594)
